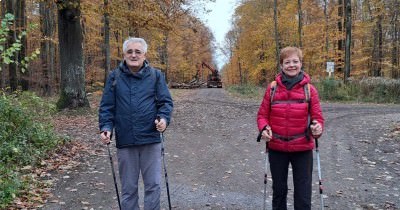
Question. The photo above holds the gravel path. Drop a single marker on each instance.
(214, 161)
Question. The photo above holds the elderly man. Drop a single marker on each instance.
(137, 104)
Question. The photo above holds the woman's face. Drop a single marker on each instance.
(291, 65)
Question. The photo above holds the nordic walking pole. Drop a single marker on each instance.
(319, 174)
(165, 167)
(265, 171)
(113, 173)
(265, 175)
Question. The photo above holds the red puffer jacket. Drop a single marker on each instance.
(288, 116)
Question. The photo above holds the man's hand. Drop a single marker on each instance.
(267, 134)
(161, 124)
(105, 137)
(316, 128)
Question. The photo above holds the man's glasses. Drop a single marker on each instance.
(137, 52)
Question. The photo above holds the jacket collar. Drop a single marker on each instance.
(306, 79)
(143, 70)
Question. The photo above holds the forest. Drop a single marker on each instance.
(361, 38)
(68, 47)
(64, 50)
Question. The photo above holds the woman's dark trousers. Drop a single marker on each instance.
(302, 166)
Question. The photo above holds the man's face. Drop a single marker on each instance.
(134, 56)
(291, 65)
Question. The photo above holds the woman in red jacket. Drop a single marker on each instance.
(289, 122)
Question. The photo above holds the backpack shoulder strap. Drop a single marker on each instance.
(273, 90)
(155, 73)
(116, 77)
(307, 92)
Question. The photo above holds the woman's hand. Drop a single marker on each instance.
(267, 134)
(316, 128)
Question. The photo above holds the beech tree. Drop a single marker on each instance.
(21, 25)
(2, 65)
(395, 30)
(277, 47)
(360, 39)
(179, 41)
(47, 10)
(106, 44)
(72, 84)
(14, 7)
(347, 62)
(300, 14)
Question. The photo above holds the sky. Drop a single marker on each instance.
(219, 21)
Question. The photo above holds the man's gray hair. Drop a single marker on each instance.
(134, 40)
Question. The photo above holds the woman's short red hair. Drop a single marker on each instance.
(288, 51)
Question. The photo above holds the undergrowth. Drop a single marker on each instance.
(369, 90)
(26, 135)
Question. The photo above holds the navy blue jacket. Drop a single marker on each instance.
(131, 103)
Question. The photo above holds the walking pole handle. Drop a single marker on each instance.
(259, 136)
(260, 133)
(266, 143)
(159, 119)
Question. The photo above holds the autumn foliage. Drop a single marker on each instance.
(321, 33)
(177, 39)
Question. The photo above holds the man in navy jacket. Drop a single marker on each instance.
(134, 98)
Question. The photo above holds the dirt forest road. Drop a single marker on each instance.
(214, 161)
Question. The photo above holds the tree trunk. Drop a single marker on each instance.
(72, 85)
(340, 41)
(117, 40)
(326, 29)
(380, 44)
(300, 29)
(240, 71)
(21, 25)
(276, 34)
(263, 76)
(164, 53)
(132, 29)
(3, 66)
(395, 40)
(347, 63)
(11, 7)
(47, 55)
(107, 52)
(377, 55)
